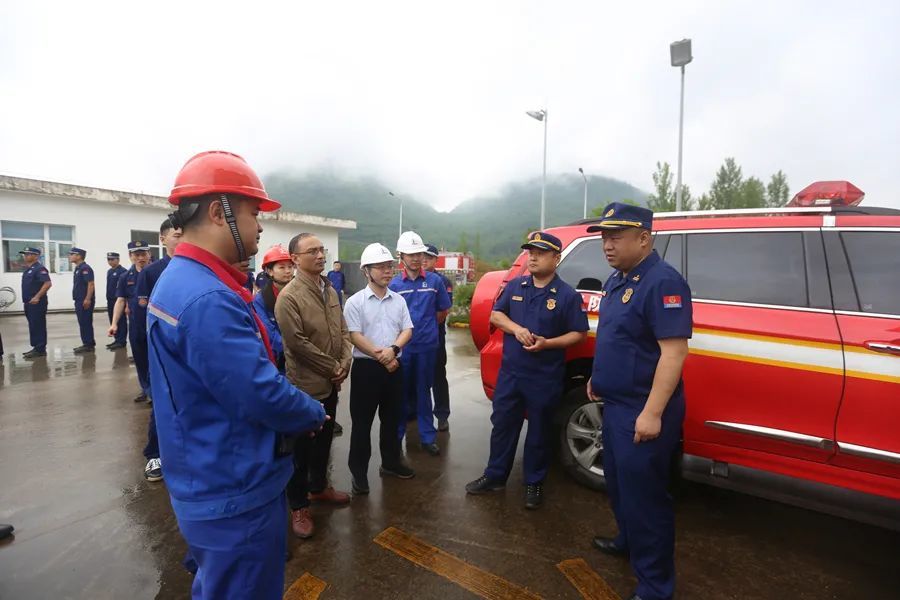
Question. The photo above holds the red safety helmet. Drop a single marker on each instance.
(275, 254)
(219, 172)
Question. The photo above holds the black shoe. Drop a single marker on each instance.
(359, 485)
(6, 531)
(115, 346)
(35, 354)
(534, 495)
(443, 425)
(83, 349)
(608, 546)
(483, 485)
(141, 398)
(432, 449)
(338, 430)
(399, 470)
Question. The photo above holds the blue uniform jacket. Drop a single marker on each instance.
(33, 279)
(219, 400)
(128, 289)
(425, 297)
(267, 316)
(652, 303)
(112, 282)
(81, 276)
(337, 280)
(148, 278)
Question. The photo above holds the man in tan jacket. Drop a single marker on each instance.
(317, 353)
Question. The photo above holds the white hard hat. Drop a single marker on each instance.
(410, 242)
(375, 254)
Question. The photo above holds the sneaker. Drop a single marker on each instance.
(399, 470)
(432, 449)
(534, 495)
(153, 470)
(302, 523)
(484, 485)
(359, 485)
(330, 496)
(443, 425)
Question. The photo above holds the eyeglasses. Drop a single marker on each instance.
(382, 266)
(314, 251)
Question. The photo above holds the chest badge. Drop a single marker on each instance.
(551, 303)
(627, 295)
(636, 278)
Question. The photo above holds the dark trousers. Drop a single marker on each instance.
(241, 556)
(637, 482)
(441, 389)
(151, 450)
(122, 331)
(138, 341)
(373, 388)
(37, 324)
(311, 456)
(85, 318)
(514, 396)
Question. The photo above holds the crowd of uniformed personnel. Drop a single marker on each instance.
(244, 387)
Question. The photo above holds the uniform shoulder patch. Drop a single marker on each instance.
(672, 301)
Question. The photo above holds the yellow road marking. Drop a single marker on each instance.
(479, 582)
(588, 583)
(307, 587)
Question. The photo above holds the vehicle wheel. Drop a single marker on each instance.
(580, 443)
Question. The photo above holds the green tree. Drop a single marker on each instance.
(463, 244)
(777, 191)
(664, 197)
(753, 193)
(597, 211)
(727, 189)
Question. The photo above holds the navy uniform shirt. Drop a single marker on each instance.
(425, 297)
(128, 289)
(652, 303)
(33, 279)
(112, 282)
(550, 311)
(148, 277)
(442, 328)
(82, 275)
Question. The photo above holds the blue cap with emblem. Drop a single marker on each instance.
(431, 250)
(80, 251)
(543, 241)
(137, 246)
(619, 215)
(111, 255)
(30, 250)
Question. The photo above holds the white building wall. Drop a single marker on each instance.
(101, 227)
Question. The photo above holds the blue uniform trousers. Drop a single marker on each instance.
(151, 450)
(637, 481)
(138, 341)
(514, 396)
(85, 322)
(37, 324)
(418, 376)
(122, 330)
(239, 557)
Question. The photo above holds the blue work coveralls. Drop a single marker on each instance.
(137, 326)
(112, 283)
(82, 275)
(33, 278)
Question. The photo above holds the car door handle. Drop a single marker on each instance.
(887, 347)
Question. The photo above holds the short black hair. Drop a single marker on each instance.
(166, 226)
(337, 262)
(295, 241)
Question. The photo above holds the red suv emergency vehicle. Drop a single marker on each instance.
(793, 377)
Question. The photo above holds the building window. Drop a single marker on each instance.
(157, 250)
(54, 241)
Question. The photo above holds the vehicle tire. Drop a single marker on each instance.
(580, 445)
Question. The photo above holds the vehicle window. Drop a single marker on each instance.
(765, 267)
(873, 265)
(585, 267)
(673, 252)
(816, 270)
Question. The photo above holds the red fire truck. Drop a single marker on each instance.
(793, 377)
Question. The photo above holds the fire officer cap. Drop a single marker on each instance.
(619, 215)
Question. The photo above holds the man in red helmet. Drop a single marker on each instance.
(221, 406)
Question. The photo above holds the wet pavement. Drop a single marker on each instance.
(89, 526)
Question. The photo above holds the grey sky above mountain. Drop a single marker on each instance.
(431, 97)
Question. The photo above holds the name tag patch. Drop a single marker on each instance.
(517, 298)
(671, 301)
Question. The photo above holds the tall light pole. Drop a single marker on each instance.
(583, 176)
(541, 115)
(680, 53)
(400, 232)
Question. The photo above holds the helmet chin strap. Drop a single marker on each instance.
(232, 225)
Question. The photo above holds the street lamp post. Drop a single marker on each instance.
(541, 115)
(680, 53)
(583, 176)
(400, 232)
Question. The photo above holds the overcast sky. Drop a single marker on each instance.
(431, 97)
